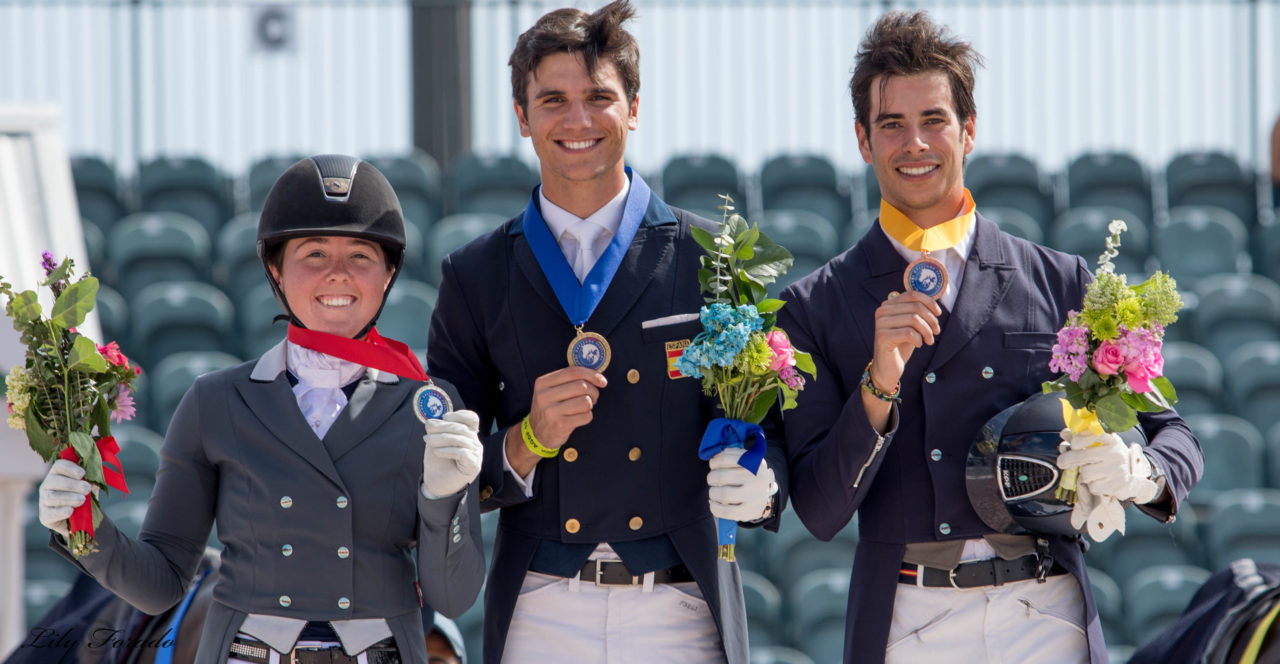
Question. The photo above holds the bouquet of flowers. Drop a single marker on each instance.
(69, 389)
(741, 355)
(1110, 353)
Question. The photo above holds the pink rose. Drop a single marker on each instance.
(1108, 359)
(783, 355)
(1139, 373)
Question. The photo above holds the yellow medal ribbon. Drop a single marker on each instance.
(1080, 421)
(945, 235)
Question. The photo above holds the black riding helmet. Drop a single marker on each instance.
(332, 194)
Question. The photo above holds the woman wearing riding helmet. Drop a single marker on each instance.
(307, 459)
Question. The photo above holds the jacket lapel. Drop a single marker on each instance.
(884, 275)
(363, 413)
(528, 265)
(987, 277)
(276, 407)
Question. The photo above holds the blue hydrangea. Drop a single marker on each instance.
(725, 332)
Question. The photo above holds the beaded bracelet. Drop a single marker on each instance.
(870, 386)
(531, 441)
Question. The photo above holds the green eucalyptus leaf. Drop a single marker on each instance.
(704, 238)
(1114, 414)
(24, 308)
(40, 440)
(90, 459)
(75, 302)
(737, 225)
(84, 356)
(769, 305)
(760, 407)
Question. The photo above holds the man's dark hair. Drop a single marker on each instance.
(593, 36)
(905, 43)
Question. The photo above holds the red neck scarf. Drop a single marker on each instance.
(374, 351)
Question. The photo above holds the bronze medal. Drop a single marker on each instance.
(926, 275)
(589, 350)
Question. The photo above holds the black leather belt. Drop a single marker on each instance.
(382, 652)
(614, 573)
(994, 572)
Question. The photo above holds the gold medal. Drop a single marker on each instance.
(926, 275)
(589, 350)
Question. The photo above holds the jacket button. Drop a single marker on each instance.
(930, 377)
(570, 454)
(343, 552)
(635, 523)
(457, 538)
(341, 502)
(286, 502)
(936, 455)
(634, 454)
(944, 528)
(988, 372)
(344, 603)
(633, 376)
(502, 385)
(285, 601)
(286, 550)
(572, 525)
(486, 493)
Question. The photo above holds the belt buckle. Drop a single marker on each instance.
(951, 576)
(293, 654)
(600, 572)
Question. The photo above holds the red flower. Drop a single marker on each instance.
(113, 355)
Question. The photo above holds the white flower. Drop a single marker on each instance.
(18, 388)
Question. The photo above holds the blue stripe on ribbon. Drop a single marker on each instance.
(164, 653)
(579, 300)
(721, 434)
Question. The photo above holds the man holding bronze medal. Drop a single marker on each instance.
(559, 328)
(934, 322)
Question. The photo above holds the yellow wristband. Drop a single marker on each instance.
(531, 441)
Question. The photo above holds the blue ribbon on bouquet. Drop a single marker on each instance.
(721, 434)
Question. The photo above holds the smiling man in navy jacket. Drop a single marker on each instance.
(606, 547)
(906, 380)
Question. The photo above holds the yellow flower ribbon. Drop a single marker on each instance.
(1080, 420)
(945, 235)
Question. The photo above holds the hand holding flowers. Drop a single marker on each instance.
(68, 388)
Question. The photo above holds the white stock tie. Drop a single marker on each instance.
(585, 232)
(319, 389)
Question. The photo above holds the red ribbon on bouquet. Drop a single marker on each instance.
(108, 448)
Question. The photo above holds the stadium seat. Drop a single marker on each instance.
(1110, 601)
(99, 194)
(1214, 179)
(263, 174)
(794, 552)
(256, 326)
(1233, 455)
(1083, 231)
(1196, 373)
(805, 182)
(778, 655)
(407, 314)
(1243, 523)
(173, 376)
(1235, 309)
(1271, 440)
(870, 192)
(1014, 222)
(191, 186)
(149, 247)
(176, 316)
(816, 608)
(42, 562)
(1010, 180)
(95, 249)
(452, 232)
(140, 458)
(1148, 542)
(808, 236)
(695, 183)
(238, 268)
(490, 185)
(418, 184)
(127, 515)
(764, 610)
(1266, 259)
(1253, 381)
(1200, 241)
(1156, 596)
(113, 314)
(40, 595)
(1112, 179)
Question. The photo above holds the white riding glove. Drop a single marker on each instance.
(1110, 468)
(453, 453)
(736, 493)
(61, 492)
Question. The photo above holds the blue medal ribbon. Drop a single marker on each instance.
(721, 434)
(579, 300)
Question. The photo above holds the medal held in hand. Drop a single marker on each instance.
(926, 275)
(589, 350)
(431, 403)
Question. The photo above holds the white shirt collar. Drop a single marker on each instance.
(953, 259)
(608, 217)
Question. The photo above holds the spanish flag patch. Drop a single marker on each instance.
(675, 350)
